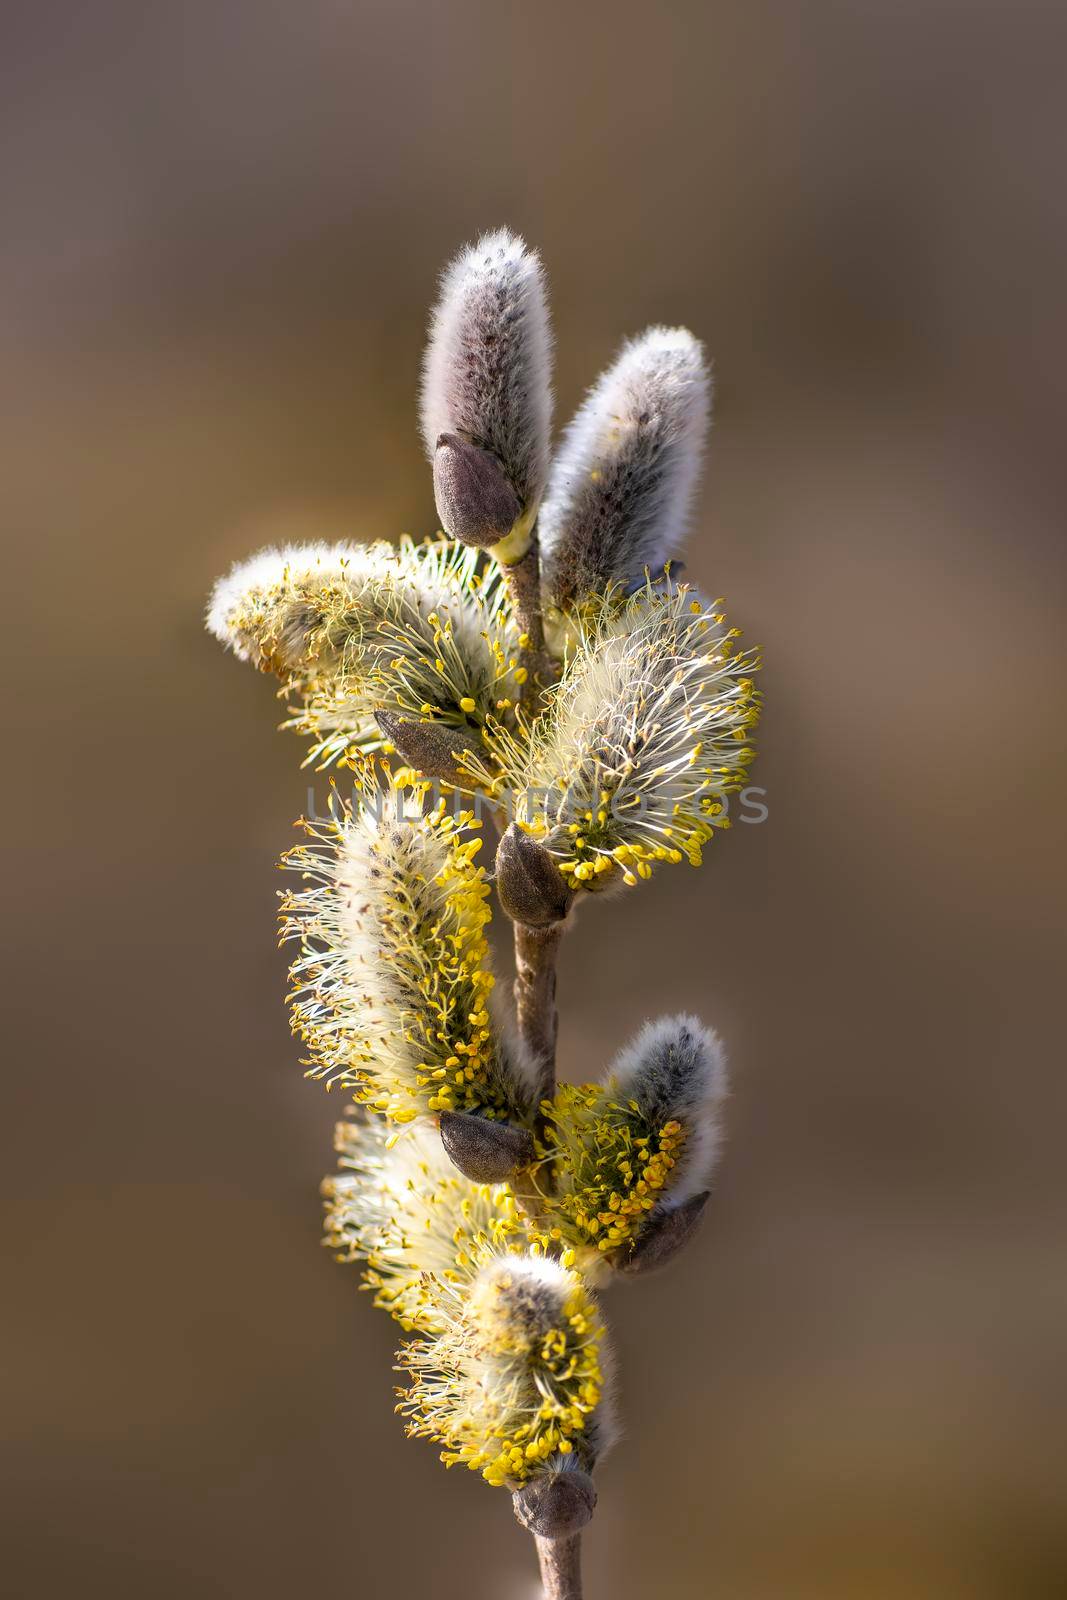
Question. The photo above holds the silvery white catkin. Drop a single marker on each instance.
(487, 369)
(265, 610)
(299, 608)
(675, 1068)
(406, 631)
(513, 1382)
(399, 1205)
(391, 984)
(622, 483)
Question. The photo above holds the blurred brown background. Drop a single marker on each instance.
(223, 224)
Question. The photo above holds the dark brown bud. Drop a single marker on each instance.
(665, 1233)
(432, 748)
(556, 1505)
(531, 887)
(475, 501)
(484, 1151)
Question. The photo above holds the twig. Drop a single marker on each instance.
(561, 1566)
(524, 586)
(535, 997)
(535, 1003)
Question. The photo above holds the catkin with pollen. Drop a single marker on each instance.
(391, 987)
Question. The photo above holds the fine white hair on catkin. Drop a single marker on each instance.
(675, 1068)
(416, 629)
(400, 1205)
(622, 483)
(515, 1378)
(354, 600)
(644, 737)
(391, 985)
(487, 369)
(277, 586)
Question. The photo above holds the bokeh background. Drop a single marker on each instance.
(223, 222)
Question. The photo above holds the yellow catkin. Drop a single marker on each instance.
(392, 982)
(516, 1376)
(644, 738)
(609, 1166)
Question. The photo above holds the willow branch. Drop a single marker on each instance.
(535, 998)
(530, 887)
(536, 950)
(524, 587)
(561, 1566)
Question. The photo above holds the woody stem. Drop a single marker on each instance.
(535, 1002)
(536, 950)
(524, 587)
(535, 998)
(561, 1566)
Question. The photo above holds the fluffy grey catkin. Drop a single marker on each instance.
(487, 369)
(623, 479)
